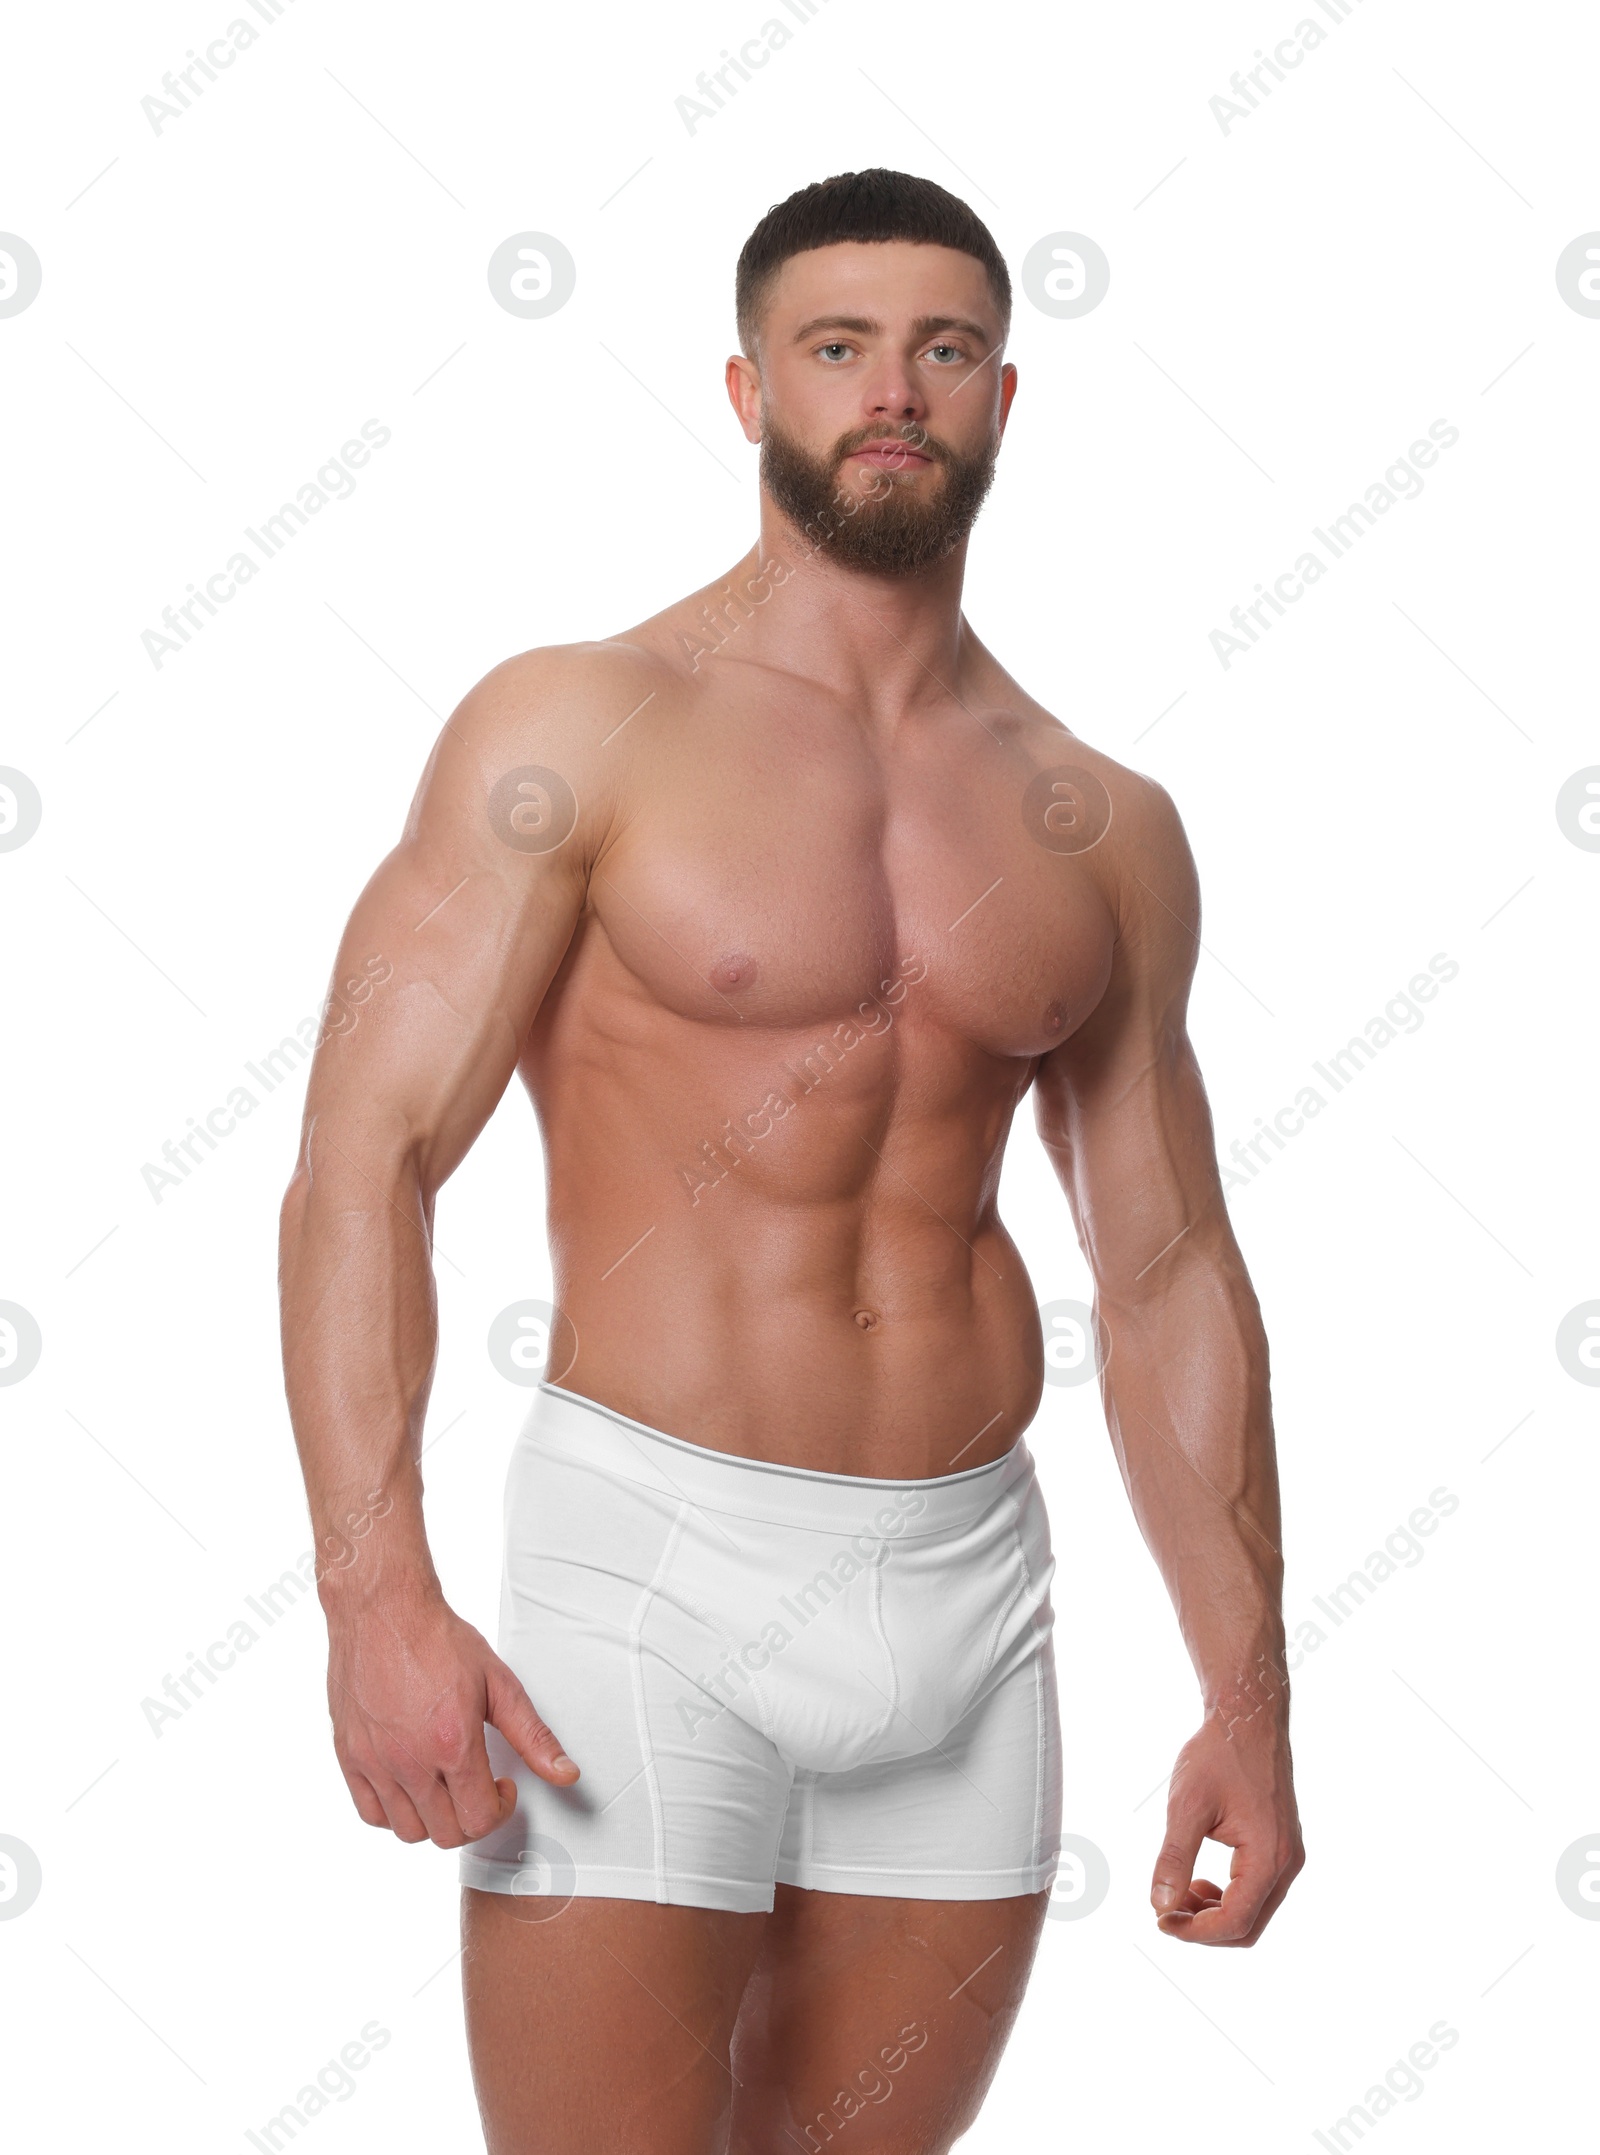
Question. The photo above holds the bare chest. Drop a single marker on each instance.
(781, 876)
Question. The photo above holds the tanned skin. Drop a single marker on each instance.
(811, 817)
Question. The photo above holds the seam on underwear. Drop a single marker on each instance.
(636, 1870)
(803, 1799)
(893, 1706)
(1023, 1585)
(1038, 1695)
(636, 1658)
(766, 1713)
(1038, 1757)
(709, 1507)
(919, 1870)
(777, 1466)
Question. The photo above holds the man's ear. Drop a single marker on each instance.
(1008, 389)
(743, 379)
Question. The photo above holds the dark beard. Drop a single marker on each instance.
(891, 532)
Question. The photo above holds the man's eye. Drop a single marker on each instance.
(946, 353)
(834, 351)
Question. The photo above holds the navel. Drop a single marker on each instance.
(868, 1319)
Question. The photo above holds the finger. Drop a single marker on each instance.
(426, 1787)
(1286, 1878)
(365, 1798)
(481, 1802)
(1174, 1920)
(512, 1712)
(450, 1781)
(1202, 1894)
(1255, 1873)
(398, 1809)
(1268, 1906)
(1175, 1864)
(437, 1811)
(404, 1771)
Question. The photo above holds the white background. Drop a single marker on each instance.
(1291, 304)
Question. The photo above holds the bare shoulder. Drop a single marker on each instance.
(538, 750)
(1135, 844)
(574, 699)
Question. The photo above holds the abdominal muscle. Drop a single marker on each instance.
(760, 1343)
(838, 1294)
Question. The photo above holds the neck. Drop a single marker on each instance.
(885, 641)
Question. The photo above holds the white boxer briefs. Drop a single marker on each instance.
(772, 1673)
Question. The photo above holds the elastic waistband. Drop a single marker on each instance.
(615, 1444)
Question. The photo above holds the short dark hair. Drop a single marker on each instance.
(875, 205)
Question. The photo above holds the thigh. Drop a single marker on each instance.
(883, 2019)
(605, 2029)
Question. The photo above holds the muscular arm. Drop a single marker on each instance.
(440, 972)
(1122, 1108)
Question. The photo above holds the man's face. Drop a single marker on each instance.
(879, 379)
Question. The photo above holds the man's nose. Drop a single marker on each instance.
(894, 395)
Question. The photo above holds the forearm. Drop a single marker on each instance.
(359, 1339)
(1188, 1404)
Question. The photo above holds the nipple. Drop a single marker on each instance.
(1055, 1016)
(736, 970)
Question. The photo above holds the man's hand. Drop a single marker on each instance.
(1233, 1783)
(410, 1688)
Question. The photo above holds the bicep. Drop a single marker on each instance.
(445, 960)
(455, 957)
(1121, 1105)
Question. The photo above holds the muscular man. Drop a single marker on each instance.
(779, 903)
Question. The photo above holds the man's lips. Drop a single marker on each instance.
(889, 455)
